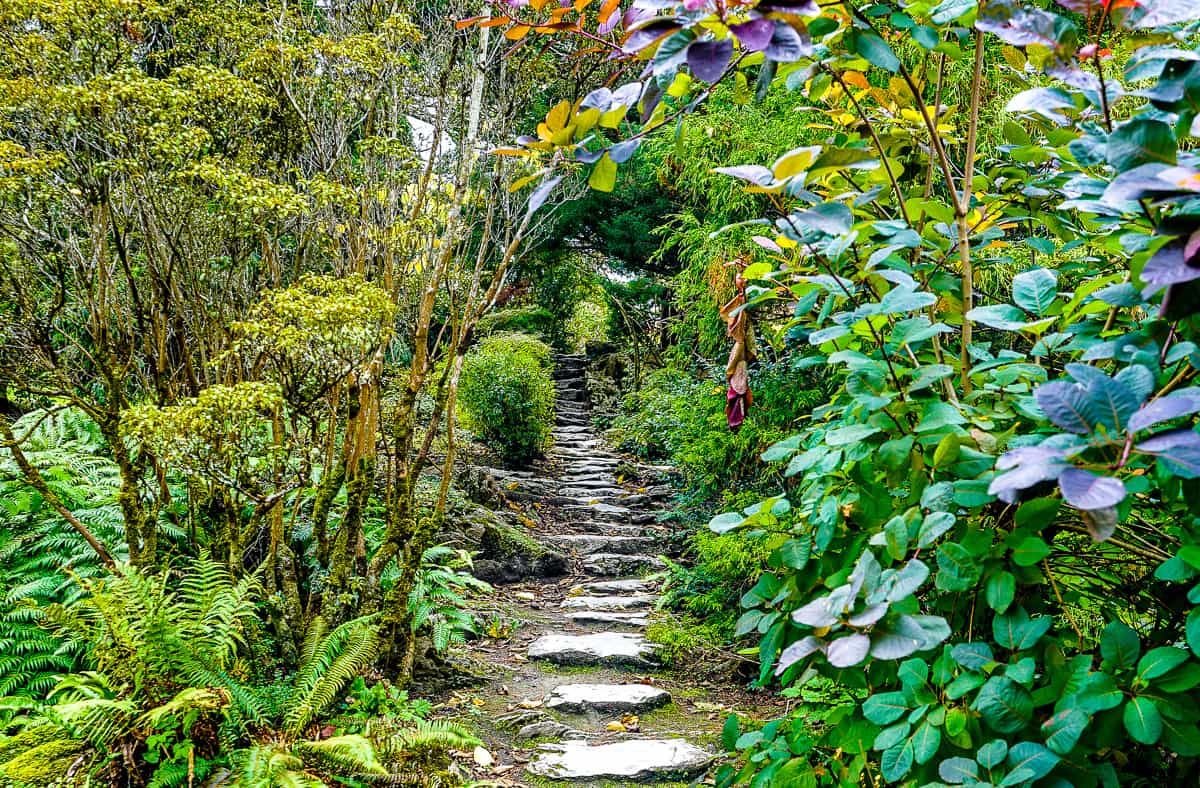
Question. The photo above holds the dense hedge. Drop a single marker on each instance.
(507, 395)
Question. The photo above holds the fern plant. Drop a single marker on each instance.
(439, 599)
(42, 559)
(164, 663)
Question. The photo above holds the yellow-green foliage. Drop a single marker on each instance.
(46, 764)
(324, 325)
(217, 430)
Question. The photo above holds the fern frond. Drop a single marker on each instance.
(190, 699)
(331, 663)
(347, 754)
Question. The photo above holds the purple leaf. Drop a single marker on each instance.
(768, 244)
(868, 616)
(1170, 265)
(1067, 405)
(623, 151)
(893, 644)
(542, 193)
(1030, 465)
(797, 7)
(1179, 450)
(1101, 523)
(600, 98)
(1167, 12)
(1161, 410)
(755, 34)
(627, 95)
(1085, 490)
(798, 651)
(650, 33)
(1021, 27)
(755, 173)
(815, 614)
(787, 45)
(1153, 181)
(708, 59)
(848, 651)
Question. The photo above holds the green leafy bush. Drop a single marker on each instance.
(680, 418)
(534, 320)
(507, 395)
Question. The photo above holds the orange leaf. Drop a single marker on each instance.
(495, 21)
(516, 32)
(465, 23)
(856, 78)
(608, 9)
(582, 4)
(538, 5)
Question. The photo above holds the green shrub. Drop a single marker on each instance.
(534, 320)
(680, 418)
(507, 396)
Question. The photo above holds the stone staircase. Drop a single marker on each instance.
(599, 628)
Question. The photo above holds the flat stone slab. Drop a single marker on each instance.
(633, 602)
(616, 565)
(630, 585)
(612, 698)
(600, 511)
(601, 648)
(636, 760)
(590, 543)
(637, 619)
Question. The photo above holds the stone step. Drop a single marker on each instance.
(584, 454)
(619, 529)
(596, 468)
(592, 543)
(600, 511)
(617, 565)
(609, 603)
(605, 482)
(579, 500)
(634, 760)
(630, 585)
(598, 487)
(606, 698)
(608, 619)
(610, 649)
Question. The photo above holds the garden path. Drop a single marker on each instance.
(583, 700)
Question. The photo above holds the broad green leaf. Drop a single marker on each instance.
(1193, 631)
(884, 708)
(925, 742)
(1004, 705)
(1035, 291)
(1031, 757)
(1142, 720)
(957, 568)
(1141, 141)
(992, 754)
(1030, 551)
(1063, 730)
(1159, 661)
(876, 51)
(1119, 645)
(897, 761)
(1000, 590)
